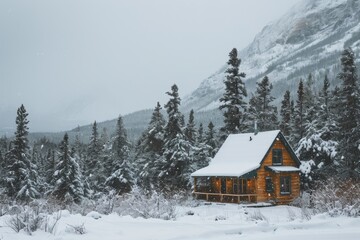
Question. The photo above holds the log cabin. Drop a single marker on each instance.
(251, 167)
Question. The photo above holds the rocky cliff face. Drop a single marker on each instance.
(308, 39)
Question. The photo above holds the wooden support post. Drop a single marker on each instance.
(195, 184)
(207, 197)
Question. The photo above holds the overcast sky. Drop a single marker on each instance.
(72, 62)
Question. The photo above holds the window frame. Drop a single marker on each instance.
(285, 184)
(269, 186)
(277, 153)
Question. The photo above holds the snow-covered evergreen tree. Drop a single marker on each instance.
(94, 166)
(285, 113)
(349, 120)
(149, 150)
(121, 178)
(21, 178)
(68, 186)
(49, 166)
(232, 102)
(211, 139)
(200, 133)
(190, 129)
(260, 108)
(176, 160)
(298, 128)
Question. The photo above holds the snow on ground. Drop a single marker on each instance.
(215, 221)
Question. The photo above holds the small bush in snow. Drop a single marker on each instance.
(306, 214)
(257, 216)
(29, 219)
(78, 229)
(50, 222)
(190, 213)
(337, 197)
(147, 205)
(219, 218)
(291, 214)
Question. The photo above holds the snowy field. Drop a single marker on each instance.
(215, 221)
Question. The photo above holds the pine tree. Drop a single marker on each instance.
(200, 133)
(94, 165)
(175, 118)
(50, 167)
(299, 126)
(285, 113)
(211, 140)
(260, 108)
(318, 146)
(232, 102)
(20, 177)
(121, 178)
(68, 186)
(190, 129)
(150, 149)
(176, 160)
(349, 119)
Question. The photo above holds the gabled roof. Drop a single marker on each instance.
(240, 154)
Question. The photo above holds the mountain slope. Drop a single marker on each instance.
(308, 39)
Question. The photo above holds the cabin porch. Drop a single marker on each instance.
(225, 189)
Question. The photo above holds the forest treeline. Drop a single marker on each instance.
(322, 125)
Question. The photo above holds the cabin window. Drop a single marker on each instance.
(285, 185)
(277, 156)
(269, 185)
(243, 186)
(235, 186)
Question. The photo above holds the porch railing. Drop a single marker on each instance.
(239, 197)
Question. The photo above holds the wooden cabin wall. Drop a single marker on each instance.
(262, 173)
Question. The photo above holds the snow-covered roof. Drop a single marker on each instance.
(283, 168)
(239, 155)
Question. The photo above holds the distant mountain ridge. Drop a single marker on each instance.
(308, 39)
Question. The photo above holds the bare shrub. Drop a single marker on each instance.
(15, 223)
(50, 222)
(337, 197)
(306, 214)
(147, 205)
(257, 216)
(291, 214)
(78, 229)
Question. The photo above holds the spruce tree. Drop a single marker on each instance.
(298, 123)
(200, 133)
(349, 129)
(285, 113)
(260, 108)
(232, 102)
(318, 146)
(68, 186)
(121, 178)
(177, 153)
(175, 118)
(20, 177)
(150, 149)
(94, 165)
(211, 140)
(190, 129)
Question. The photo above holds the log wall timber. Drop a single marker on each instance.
(262, 173)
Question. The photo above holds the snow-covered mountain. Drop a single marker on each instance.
(308, 39)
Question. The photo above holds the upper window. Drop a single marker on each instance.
(277, 157)
(285, 185)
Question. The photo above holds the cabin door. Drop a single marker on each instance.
(223, 185)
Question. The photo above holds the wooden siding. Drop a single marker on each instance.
(262, 173)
